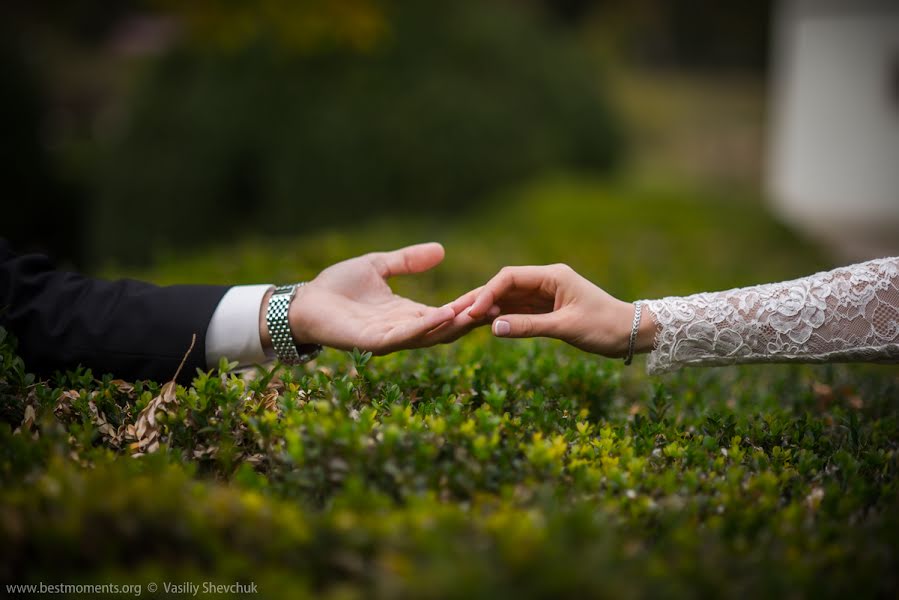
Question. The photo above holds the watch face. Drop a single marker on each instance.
(288, 290)
(309, 351)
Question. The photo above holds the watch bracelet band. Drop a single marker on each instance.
(283, 343)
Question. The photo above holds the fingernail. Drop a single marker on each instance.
(494, 312)
(501, 328)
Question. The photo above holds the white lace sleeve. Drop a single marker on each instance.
(848, 314)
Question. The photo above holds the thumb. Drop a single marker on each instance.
(411, 259)
(522, 326)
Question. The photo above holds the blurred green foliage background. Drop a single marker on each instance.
(154, 127)
(433, 114)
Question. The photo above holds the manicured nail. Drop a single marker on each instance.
(501, 328)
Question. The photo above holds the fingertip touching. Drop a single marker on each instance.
(464, 301)
(444, 314)
(482, 304)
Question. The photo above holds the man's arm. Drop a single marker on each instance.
(136, 330)
(132, 329)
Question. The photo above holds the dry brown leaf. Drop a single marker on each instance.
(146, 429)
(207, 452)
(63, 408)
(29, 418)
(123, 386)
(270, 401)
(254, 459)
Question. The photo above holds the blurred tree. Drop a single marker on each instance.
(449, 102)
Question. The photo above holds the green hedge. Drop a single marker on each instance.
(472, 472)
(457, 100)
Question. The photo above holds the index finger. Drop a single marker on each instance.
(512, 278)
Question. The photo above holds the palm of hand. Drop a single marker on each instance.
(350, 305)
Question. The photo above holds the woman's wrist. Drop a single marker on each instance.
(646, 331)
(646, 334)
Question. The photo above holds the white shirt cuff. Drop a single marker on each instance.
(233, 331)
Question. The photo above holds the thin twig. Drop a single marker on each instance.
(193, 340)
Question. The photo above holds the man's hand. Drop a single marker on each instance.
(554, 301)
(349, 305)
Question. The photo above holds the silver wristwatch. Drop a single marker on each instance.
(286, 349)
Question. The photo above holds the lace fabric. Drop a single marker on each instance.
(848, 314)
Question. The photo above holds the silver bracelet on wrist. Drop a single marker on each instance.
(285, 347)
(635, 327)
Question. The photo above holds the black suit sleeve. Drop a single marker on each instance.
(129, 328)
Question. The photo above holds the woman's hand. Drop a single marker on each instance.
(349, 305)
(554, 301)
